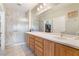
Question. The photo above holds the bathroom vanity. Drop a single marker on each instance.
(52, 44)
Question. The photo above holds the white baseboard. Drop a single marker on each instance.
(20, 43)
(12, 45)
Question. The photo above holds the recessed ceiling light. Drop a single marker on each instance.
(41, 6)
(44, 4)
(37, 9)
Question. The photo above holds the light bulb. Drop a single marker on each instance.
(44, 4)
(41, 6)
(37, 9)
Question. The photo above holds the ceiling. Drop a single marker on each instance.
(20, 6)
(24, 7)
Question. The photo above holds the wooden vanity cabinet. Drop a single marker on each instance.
(43, 47)
(62, 50)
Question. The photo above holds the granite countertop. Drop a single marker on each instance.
(68, 40)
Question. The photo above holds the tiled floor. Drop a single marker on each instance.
(19, 50)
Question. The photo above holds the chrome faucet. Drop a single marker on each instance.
(61, 35)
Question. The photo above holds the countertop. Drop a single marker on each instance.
(68, 40)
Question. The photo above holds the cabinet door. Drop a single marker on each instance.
(31, 43)
(72, 51)
(47, 48)
(52, 48)
(60, 50)
(39, 49)
(27, 40)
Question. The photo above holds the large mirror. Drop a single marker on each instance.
(64, 18)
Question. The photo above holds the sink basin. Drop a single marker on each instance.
(61, 36)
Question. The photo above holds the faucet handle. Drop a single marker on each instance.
(61, 35)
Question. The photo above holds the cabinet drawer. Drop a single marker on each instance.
(31, 39)
(31, 43)
(38, 48)
(32, 47)
(38, 53)
(39, 39)
(40, 44)
(31, 36)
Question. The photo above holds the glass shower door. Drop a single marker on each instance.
(19, 30)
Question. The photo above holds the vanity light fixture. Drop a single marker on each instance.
(41, 6)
